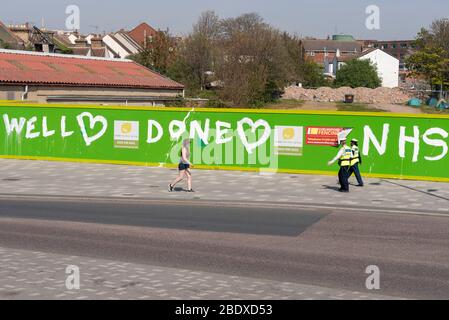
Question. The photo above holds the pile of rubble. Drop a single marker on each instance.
(362, 95)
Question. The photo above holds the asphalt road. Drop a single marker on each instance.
(317, 246)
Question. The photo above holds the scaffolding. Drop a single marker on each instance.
(42, 41)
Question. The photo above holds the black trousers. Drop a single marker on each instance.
(355, 169)
(343, 176)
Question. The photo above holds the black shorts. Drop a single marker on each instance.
(183, 166)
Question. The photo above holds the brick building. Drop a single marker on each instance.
(142, 33)
(323, 52)
(397, 48)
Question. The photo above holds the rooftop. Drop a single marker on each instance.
(8, 37)
(331, 45)
(22, 67)
(362, 54)
(141, 32)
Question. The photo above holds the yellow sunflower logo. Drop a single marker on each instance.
(126, 128)
(288, 133)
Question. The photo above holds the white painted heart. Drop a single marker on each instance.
(92, 122)
(254, 126)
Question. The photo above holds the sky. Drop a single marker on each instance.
(399, 19)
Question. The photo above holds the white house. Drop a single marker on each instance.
(121, 45)
(72, 38)
(387, 66)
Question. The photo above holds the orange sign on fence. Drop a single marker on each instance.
(322, 136)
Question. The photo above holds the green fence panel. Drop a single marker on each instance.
(396, 146)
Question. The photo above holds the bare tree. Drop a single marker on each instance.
(159, 52)
(197, 53)
(440, 33)
(252, 60)
(207, 25)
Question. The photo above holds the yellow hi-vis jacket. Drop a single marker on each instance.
(355, 155)
(345, 158)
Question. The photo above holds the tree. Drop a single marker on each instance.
(305, 71)
(312, 75)
(431, 59)
(196, 54)
(4, 45)
(159, 53)
(437, 35)
(254, 61)
(431, 63)
(358, 73)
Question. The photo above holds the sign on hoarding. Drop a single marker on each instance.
(288, 140)
(126, 134)
(322, 136)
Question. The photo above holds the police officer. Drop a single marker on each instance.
(344, 157)
(355, 161)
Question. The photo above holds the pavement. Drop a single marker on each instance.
(29, 275)
(242, 235)
(20, 177)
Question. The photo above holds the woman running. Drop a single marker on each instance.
(184, 167)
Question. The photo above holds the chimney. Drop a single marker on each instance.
(96, 42)
(80, 42)
(45, 48)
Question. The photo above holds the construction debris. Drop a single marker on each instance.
(361, 95)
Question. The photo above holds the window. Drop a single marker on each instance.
(404, 45)
(385, 46)
(376, 45)
(394, 46)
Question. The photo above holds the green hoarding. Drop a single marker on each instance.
(392, 145)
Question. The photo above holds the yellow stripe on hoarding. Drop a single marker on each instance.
(224, 110)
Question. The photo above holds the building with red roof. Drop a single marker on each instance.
(142, 33)
(51, 78)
